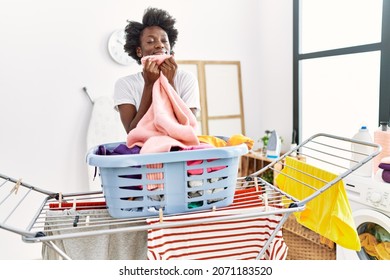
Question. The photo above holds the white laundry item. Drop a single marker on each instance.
(118, 246)
(104, 127)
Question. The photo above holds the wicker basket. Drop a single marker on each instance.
(304, 244)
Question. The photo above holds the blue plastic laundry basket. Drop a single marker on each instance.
(139, 185)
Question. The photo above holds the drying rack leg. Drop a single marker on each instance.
(272, 236)
(54, 247)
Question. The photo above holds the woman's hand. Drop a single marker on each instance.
(169, 68)
(151, 72)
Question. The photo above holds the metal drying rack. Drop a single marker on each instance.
(90, 217)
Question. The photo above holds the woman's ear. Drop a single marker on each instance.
(139, 52)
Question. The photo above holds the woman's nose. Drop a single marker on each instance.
(159, 44)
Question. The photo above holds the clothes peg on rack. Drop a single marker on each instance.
(161, 215)
(247, 181)
(265, 198)
(74, 204)
(76, 220)
(256, 184)
(16, 187)
(59, 200)
(87, 221)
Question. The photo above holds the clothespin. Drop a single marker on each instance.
(87, 221)
(160, 214)
(214, 208)
(76, 220)
(265, 198)
(247, 180)
(59, 200)
(74, 204)
(16, 187)
(256, 184)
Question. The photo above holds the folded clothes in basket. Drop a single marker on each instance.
(122, 149)
(223, 141)
(124, 201)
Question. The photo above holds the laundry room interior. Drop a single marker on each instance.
(292, 113)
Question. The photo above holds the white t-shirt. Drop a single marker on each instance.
(129, 89)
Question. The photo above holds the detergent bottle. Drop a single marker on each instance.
(359, 152)
(382, 137)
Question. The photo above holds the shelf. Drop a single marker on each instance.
(252, 162)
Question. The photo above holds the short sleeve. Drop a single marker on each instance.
(121, 93)
(188, 89)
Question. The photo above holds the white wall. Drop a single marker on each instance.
(51, 49)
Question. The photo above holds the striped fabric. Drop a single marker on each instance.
(240, 239)
(155, 176)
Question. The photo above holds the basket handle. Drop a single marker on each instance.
(142, 159)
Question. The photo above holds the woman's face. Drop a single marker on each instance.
(154, 40)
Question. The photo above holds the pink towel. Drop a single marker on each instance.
(168, 122)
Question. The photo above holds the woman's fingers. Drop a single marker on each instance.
(151, 71)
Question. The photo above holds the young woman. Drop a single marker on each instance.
(156, 35)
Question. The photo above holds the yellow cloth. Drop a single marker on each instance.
(379, 250)
(383, 250)
(328, 214)
(236, 139)
(212, 140)
(327, 242)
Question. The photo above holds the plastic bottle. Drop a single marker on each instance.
(366, 169)
(382, 137)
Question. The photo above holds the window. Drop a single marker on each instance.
(341, 61)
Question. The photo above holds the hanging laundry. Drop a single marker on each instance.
(329, 214)
(235, 239)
